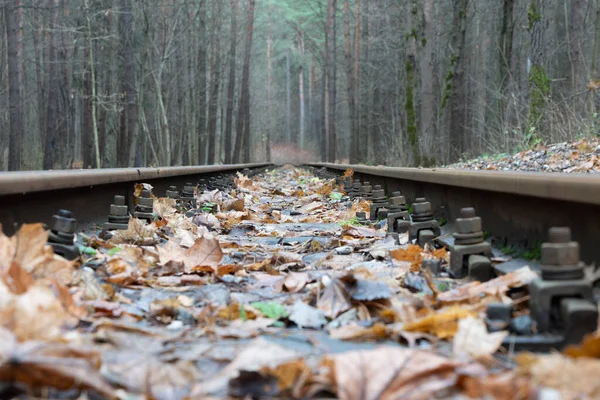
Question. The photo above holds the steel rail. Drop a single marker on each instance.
(34, 196)
(577, 188)
(40, 181)
(516, 207)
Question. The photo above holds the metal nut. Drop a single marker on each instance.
(145, 202)
(118, 211)
(422, 208)
(468, 225)
(560, 253)
(62, 224)
(378, 193)
(398, 201)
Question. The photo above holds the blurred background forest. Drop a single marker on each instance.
(116, 83)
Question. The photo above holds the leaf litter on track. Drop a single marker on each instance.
(268, 289)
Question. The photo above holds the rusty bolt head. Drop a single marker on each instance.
(422, 207)
(63, 222)
(560, 250)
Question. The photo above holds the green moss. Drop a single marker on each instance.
(448, 81)
(411, 115)
(539, 88)
(412, 33)
(532, 16)
(423, 41)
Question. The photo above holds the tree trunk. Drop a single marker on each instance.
(215, 61)
(12, 15)
(231, 84)
(38, 72)
(288, 91)
(353, 153)
(301, 90)
(539, 83)
(594, 60)
(455, 85)
(53, 91)
(356, 80)
(201, 76)
(331, 52)
(269, 86)
(246, 82)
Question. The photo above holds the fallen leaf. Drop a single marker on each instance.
(391, 373)
(473, 340)
(500, 285)
(205, 252)
(164, 207)
(255, 356)
(442, 323)
(137, 232)
(590, 347)
(233, 204)
(377, 331)
(295, 281)
(306, 316)
(334, 300)
(573, 378)
(41, 365)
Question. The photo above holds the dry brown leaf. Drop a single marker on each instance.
(411, 254)
(356, 332)
(442, 323)
(295, 281)
(291, 376)
(165, 207)
(39, 365)
(205, 252)
(473, 340)
(360, 232)
(334, 300)
(574, 378)
(255, 356)
(504, 386)
(499, 285)
(35, 314)
(391, 373)
(143, 374)
(137, 232)
(590, 347)
(233, 205)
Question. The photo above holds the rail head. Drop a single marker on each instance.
(578, 188)
(40, 181)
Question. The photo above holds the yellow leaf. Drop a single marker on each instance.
(443, 323)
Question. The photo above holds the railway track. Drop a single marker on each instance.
(517, 208)
(247, 286)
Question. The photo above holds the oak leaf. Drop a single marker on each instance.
(205, 252)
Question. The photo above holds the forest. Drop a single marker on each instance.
(131, 83)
